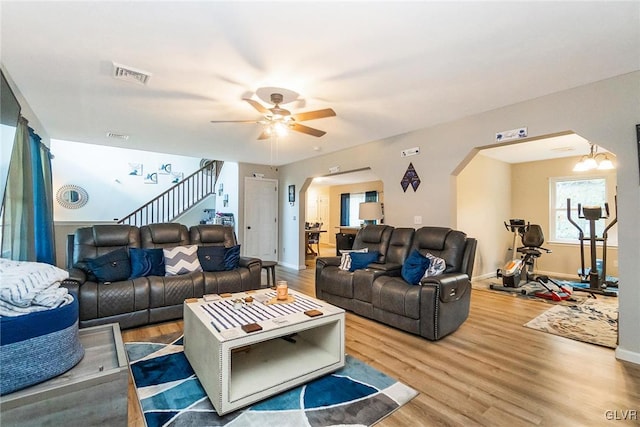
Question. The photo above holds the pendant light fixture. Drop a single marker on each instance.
(593, 160)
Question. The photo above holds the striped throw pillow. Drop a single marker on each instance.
(181, 260)
(345, 261)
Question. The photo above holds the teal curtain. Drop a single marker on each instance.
(344, 209)
(371, 196)
(27, 213)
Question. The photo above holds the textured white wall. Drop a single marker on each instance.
(104, 173)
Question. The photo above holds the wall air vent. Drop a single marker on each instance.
(129, 74)
(117, 136)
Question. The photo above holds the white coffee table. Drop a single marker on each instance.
(237, 368)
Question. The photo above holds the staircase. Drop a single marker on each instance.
(177, 199)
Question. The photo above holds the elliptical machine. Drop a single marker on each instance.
(597, 280)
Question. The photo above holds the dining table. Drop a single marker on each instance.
(307, 233)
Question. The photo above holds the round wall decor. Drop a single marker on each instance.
(72, 196)
(207, 162)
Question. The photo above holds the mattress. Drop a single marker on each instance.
(38, 346)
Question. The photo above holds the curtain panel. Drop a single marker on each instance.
(27, 214)
(371, 196)
(344, 209)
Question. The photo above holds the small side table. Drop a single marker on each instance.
(270, 266)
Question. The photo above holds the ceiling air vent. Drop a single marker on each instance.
(117, 136)
(129, 74)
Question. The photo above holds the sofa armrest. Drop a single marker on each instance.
(73, 287)
(254, 265)
(248, 262)
(77, 276)
(330, 263)
(322, 262)
(453, 286)
(389, 268)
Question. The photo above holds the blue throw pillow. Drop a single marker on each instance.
(414, 267)
(232, 257)
(111, 267)
(146, 262)
(157, 261)
(360, 260)
(212, 257)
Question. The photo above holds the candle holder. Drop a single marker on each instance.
(282, 290)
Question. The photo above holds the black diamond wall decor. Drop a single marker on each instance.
(410, 178)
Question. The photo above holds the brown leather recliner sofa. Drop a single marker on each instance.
(434, 308)
(150, 299)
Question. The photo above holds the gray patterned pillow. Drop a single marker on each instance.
(345, 261)
(437, 266)
(181, 260)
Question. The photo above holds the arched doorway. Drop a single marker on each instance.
(517, 181)
(322, 206)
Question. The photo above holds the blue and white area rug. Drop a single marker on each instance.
(171, 395)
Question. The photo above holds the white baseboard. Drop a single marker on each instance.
(292, 266)
(484, 276)
(552, 274)
(628, 356)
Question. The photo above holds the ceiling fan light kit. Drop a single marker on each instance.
(278, 121)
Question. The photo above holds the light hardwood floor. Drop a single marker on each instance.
(490, 372)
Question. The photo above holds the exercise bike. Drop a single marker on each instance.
(594, 276)
(513, 273)
(519, 272)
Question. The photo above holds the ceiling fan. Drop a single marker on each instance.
(278, 120)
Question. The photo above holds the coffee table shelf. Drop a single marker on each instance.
(237, 368)
(281, 362)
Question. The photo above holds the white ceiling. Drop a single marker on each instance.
(366, 175)
(541, 149)
(386, 68)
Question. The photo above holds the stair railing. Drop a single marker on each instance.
(177, 199)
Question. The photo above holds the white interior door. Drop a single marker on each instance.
(261, 218)
(323, 217)
(311, 210)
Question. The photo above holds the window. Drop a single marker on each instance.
(354, 208)
(350, 207)
(591, 191)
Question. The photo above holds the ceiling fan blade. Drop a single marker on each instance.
(264, 135)
(235, 121)
(306, 129)
(312, 115)
(256, 105)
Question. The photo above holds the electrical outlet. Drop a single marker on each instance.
(417, 220)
